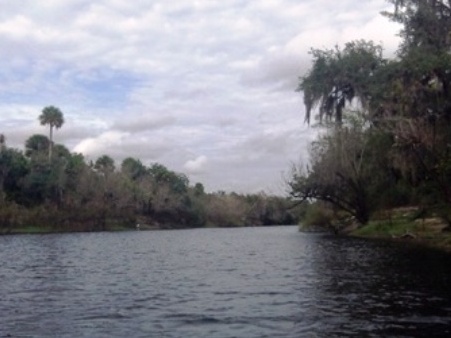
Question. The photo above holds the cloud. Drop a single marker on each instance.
(143, 122)
(196, 166)
(101, 144)
(279, 64)
(205, 87)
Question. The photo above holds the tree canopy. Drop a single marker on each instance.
(53, 117)
(338, 76)
(426, 24)
(68, 193)
(403, 139)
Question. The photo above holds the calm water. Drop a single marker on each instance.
(252, 282)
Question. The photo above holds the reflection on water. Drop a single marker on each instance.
(252, 282)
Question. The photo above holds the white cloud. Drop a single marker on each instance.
(196, 166)
(104, 143)
(205, 87)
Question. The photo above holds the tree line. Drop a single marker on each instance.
(385, 124)
(48, 187)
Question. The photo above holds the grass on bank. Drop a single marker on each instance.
(408, 224)
(30, 230)
(27, 230)
(36, 229)
(387, 228)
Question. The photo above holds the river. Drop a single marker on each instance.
(245, 282)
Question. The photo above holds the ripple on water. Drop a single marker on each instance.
(254, 282)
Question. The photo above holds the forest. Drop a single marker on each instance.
(47, 188)
(384, 125)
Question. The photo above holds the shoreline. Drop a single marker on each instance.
(436, 243)
(430, 237)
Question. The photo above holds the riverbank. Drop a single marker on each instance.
(31, 230)
(405, 224)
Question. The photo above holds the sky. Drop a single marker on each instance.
(204, 87)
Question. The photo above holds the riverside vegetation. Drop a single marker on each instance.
(47, 188)
(384, 138)
(384, 143)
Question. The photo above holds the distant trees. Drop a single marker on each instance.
(133, 168)
(3, 167)
(69, 194)
(53, 117)
(105, 165)
(2, 141)
(14, 167)
(37, 144)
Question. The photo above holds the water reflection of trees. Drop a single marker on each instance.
(365, 287)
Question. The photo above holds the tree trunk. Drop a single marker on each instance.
(51, 143)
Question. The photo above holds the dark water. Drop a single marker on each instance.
(252, 282)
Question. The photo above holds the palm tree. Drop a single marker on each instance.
(54, 118)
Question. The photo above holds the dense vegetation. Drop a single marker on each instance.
(385, 125)
(48, 188)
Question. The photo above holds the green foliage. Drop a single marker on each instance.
(13, 169)
(68, 194)
(176, 182)
(317, 216)
(36, 145)
(346, 170)
(199, 189)
(53, 117)
(338, 76)
(11, 215)
(393, 228)
(396, 150)
(105, 164)
(426, 24)
(60, 151)
(133, 168)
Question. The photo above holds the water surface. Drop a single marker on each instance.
(248, 282)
